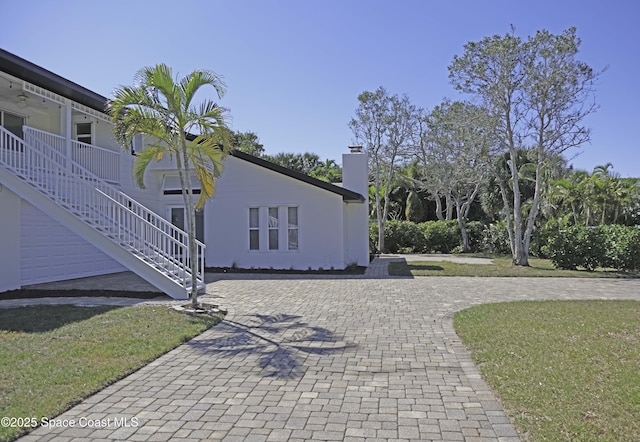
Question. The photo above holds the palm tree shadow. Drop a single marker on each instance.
(282, 343)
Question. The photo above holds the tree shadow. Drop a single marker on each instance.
(45, 318)
(281, 342)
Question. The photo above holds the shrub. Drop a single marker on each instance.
(403, 236)
(622, 247)
(495, 239)
(373, 238)
(475, 230)
(399, 237)
(611, 246)
(440, 236)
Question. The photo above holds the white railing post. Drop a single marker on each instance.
(67, 131)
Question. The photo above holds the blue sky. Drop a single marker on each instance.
(294, 69)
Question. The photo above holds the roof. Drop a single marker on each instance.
(32, 73)
(347, 195)
(27, 71)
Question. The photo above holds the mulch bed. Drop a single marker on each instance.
(74, 293)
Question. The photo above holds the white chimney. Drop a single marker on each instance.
(355, 177)
(355, 171)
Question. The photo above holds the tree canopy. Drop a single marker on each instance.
(194, 134)
(539, 93)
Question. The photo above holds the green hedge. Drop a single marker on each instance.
(610, 246)
(439, 237)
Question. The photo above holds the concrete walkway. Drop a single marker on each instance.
(368, 358)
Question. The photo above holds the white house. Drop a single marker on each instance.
(69, 208)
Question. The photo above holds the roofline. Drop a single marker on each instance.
(347, 195)
(32, 73)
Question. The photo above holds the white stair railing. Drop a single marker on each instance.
(106, 209)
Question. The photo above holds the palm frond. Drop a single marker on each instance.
(142, 161)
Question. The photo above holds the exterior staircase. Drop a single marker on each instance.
(98, 212)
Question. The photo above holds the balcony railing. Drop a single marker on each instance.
(104, 163)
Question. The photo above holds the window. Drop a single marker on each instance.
(292, 228)
(254, 228)
(13, 123)
(83, 132)
(273, 228)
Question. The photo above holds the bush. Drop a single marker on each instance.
(403, 236)
(440, 236)
(373, 238)
(495, 239)
(622, 247)
(475, 230)
(399, 237)
(611, 246)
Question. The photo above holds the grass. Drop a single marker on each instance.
(501, 267)
(52, 357)
(563, 370)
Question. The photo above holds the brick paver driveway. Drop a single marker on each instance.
(324, 359)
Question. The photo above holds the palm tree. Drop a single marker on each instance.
(196, 135)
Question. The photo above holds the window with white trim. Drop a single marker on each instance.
(254, 228)
(273, 228)
(292, 228)
(12, 122)
(83, 132)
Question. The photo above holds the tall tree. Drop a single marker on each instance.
(383, 124)
(601, 197)
(248, 142)
(303, 163)
(194, 134)
(458, 155)
(328, 171)
(540, 94)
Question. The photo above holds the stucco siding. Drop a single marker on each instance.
(244, 185)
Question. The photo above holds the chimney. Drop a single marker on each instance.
(355, 177)
(355, 171)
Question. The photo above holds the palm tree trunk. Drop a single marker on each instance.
(187, 193)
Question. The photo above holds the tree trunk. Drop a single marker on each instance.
(379, 217)
(185, 181)
(507, 213)
(439, 207)
(520, 255)
(462, 224)
(449, 203)
(533, 211)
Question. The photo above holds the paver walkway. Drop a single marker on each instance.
(323, 359)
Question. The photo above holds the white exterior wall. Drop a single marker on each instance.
(244, 185)
(9, 240)
(355, 173)
(51, 252)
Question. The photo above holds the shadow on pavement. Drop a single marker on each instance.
(281, 342)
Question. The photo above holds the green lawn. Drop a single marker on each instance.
(51, 357)
(501, 267)
(563, 370)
